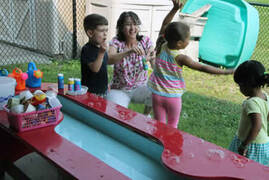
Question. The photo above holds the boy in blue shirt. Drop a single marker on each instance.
(94, 56)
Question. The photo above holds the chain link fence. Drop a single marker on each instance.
(39, 30)
(261, 52)
(42, 30)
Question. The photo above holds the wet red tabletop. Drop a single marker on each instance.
(183, 153)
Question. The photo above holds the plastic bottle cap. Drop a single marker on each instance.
(60, 74)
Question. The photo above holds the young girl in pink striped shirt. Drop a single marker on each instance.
(166, 82)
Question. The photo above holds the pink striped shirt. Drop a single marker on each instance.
(166, 79)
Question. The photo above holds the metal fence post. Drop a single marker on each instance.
(74, 52)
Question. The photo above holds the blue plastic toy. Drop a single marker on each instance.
(3, 72)
(34, 76)
(231, 31)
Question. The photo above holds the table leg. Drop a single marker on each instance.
(2, 171)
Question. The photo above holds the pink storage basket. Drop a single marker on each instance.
(32, 120)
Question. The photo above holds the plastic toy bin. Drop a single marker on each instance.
(32, 120)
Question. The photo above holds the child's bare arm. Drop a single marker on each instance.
(176, 6)
(256, 124)
(96, 65)
(168, 18)
(184, 60)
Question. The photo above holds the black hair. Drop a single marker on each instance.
(251, 73)
(176, 31)
(120, 24)
(160, 41)
(93, 20)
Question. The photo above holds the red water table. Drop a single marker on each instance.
(177, 154)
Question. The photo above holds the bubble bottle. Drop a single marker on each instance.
(71, 84)
(77, 84)
(60, 81)
(145, 65)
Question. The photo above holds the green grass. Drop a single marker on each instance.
(50, 71)
(209, 118)
(259, 1)
(211, 107)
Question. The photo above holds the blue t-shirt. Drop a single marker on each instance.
(95, 81)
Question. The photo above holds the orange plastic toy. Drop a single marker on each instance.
(20, 78)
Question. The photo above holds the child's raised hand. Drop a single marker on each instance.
(177, 4)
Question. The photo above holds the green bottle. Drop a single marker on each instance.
(145, 65)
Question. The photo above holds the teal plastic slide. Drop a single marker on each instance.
(231, 32)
